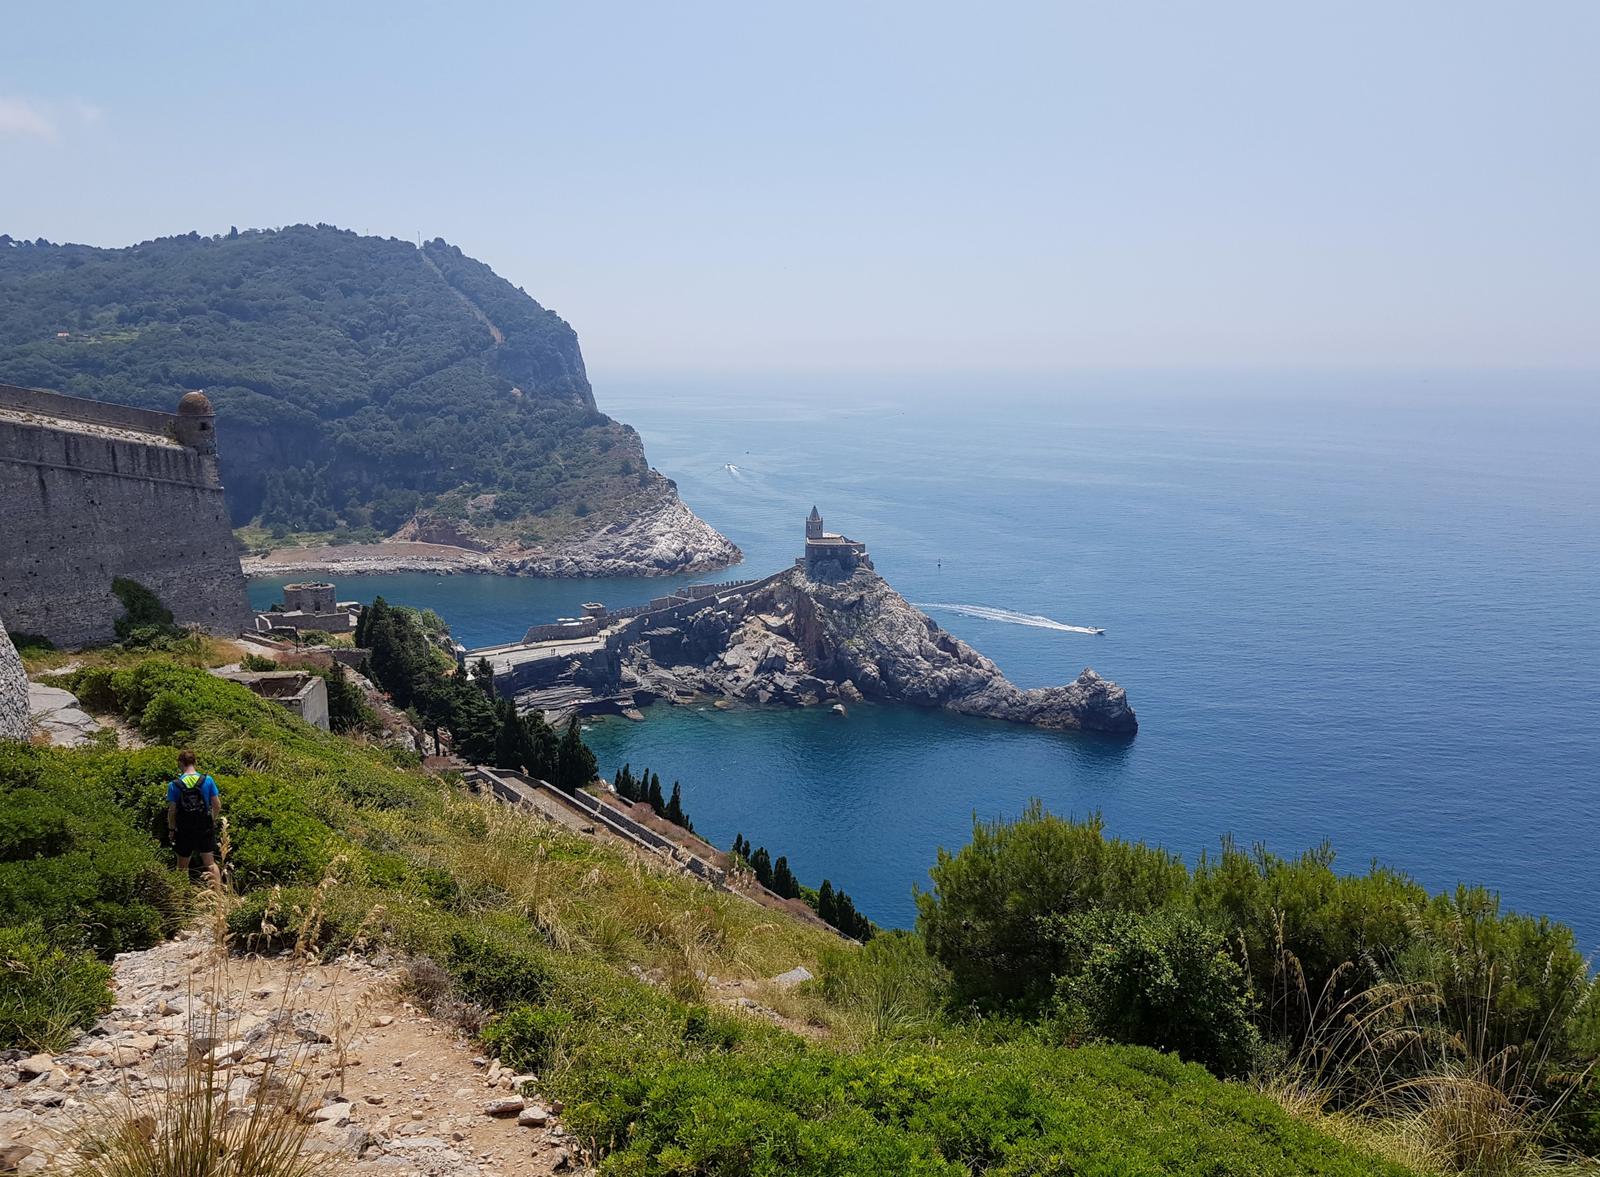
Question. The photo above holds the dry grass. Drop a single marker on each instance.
(622, 907)
(1385, 1068)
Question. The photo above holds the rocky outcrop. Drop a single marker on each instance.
(59, 717)
(651, 534)
(656, 536)
(14, 723)
(795, 639)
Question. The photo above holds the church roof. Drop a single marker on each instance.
(815, 514)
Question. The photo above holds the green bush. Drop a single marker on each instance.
(145, 622)
(47, 993)
(273, 834)
(982, 918)
(75, 860)
(1023, 1109)
(1164, 980)
(526, 1037)
(494, 972)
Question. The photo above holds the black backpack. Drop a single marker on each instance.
(194, 809)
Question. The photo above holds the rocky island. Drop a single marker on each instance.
(829, 629)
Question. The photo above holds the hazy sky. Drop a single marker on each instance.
(736, 186)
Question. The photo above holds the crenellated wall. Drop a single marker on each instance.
(90, 492)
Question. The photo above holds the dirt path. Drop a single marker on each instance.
(400, 1093)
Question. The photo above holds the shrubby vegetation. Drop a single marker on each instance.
(1369, 987)
(352, 382)
(994, 1040)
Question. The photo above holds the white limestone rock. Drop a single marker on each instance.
(55, 712)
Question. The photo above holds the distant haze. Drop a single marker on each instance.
(892, 187)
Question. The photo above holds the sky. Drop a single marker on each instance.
(878, 187)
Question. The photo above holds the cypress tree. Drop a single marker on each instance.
(483, 677)
(739, 849)
(675, 805)
(761, 863)
(575, 764)
(783, 880)
(657, 801)
(510, 747)
(544, 753)
(826, 908)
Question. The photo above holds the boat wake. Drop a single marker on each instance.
(987, 613)
(732, 469)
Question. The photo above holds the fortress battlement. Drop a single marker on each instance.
(94, 491)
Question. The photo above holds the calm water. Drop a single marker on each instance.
(1361, 609)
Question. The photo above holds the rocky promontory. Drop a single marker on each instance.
(797, 639)
(654, 533)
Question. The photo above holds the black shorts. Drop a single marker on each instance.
(188, 843)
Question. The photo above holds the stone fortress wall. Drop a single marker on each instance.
(92, 491)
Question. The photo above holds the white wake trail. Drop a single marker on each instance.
(987, 613)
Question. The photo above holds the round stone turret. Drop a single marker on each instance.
(311, 597)
(197, 423)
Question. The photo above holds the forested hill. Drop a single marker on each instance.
(356, 378)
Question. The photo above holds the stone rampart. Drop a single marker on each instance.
(84, 505)
(75, 408)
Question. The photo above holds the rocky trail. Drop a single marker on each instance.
(390, 1091)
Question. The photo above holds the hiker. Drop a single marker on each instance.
(194, 809)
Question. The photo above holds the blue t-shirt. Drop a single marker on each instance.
(207, 787)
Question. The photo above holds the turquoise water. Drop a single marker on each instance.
(1361, 609)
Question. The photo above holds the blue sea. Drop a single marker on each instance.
(1361, 608)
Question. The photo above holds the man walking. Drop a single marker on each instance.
(194, 808)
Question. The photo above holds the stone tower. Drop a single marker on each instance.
(814, 524)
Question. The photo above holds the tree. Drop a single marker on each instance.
(483, 675)
(657, 801)
(575, 764)
(826, 907)
(741, 849)
(511, 742)
(783, 880)
(761, 864)
(674, 810)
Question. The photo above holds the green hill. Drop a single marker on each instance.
(357, 379)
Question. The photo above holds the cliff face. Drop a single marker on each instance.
(799, 640)
(13, 691)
